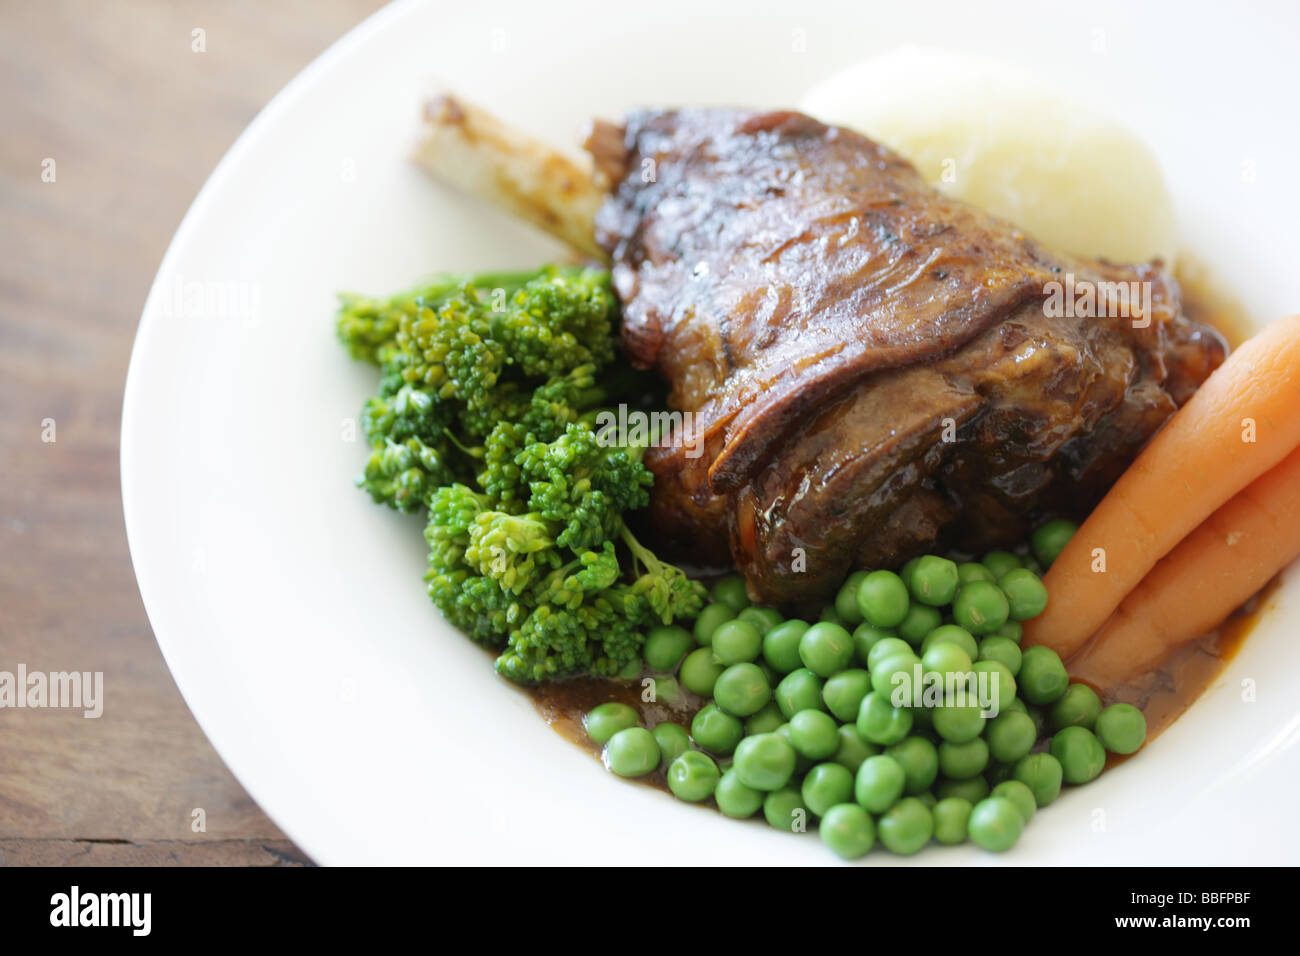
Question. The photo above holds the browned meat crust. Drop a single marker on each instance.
(871, 364)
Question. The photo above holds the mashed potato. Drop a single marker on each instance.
(998, 139)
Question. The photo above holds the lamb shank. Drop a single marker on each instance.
(873, 369)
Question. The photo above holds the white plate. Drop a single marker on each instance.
(291, 610)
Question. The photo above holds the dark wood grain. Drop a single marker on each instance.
(134, 120)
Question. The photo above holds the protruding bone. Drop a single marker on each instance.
(468, 148)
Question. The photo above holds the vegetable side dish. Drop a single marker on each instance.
(852, 582)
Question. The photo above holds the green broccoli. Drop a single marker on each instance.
(583, 486)
(489, 390)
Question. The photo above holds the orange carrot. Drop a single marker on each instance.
(1242, 421)
(1213, 571)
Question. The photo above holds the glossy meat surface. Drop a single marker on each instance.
(875, 369)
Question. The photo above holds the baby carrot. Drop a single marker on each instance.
(1211, 573)
(1241, 422)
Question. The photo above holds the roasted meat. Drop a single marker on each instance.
(874, 370)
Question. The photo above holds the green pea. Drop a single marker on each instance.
(995, 824)
(843, 693)
(742, 689)
(693, 776)
(882, 598)
(665, 647)
(1011, 735)
(951, 817)
(1042, 774)
(973, 790)
(852, 749)
(785, 810)
(945, 657)
(1013, 631)
(762, 618)
(963, 761)
(980, 607)
(920, 762)
(880, 722)
(1042, 677)
(1003, 650)
(928, 798)
(1050, 538)
(999, 678)
(731, 592)
(765, 720)
(673, 741)
(973, 571)
(710, 619)
(826, 785)
(934, 580)
(716, 730)
(781, 646)
(700, 672)
(799, 690)
(1020, 795)
(848, 831)
(958, 723)
(846, 601)
(887, 647)
(952, 634)
(895, 673)
(605, 720)
(999, 563)
(632, 752)
(764, 761)
(736, 642)
(1077, 707)
(814, 734)
(906, 827)
(866, 637)
(1026, 595)
(1121, 728)
(879, 783)
(919, 621)
(734, 799)
(826, 649)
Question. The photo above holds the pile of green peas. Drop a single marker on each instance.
(800, 725)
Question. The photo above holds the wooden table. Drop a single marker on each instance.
(115, 105)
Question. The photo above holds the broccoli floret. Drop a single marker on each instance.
(558, 322)
(476, 605)
(583, 486)
(403, 474)
(511, 549)
(489, 391)
(368, 327)
(592, 638)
